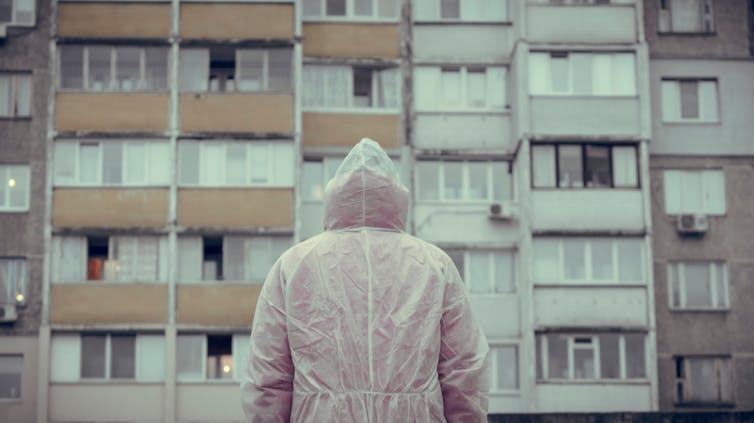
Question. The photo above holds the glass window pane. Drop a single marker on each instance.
(280, 63)
(507, 367)
(635, 366)
(128, 68)
(23, 95)
(451, 87)
(477, 93)
(362, 87)
(570, 166)
(336, 7)
(673, 271)
(543, 158)
(99, 69)
(582, 73)
(250, 70)
(156, 68)
(573, 257)
(112, 162)
(602, 259)
(212, 163)
(122, 356)
(387, 8)
(189, 356)
(722, 283)
(726, 388)
(89, 167)
(458, 259)
(6, 95)
(691, 192)
(697, 278)
(11, 369)
(260, 258)
(609, 356)
(427, 180)
(259, 163)
(312, 7)
(3, 183)
(92, 356)
(557, 356)
(479, 272)
(583, 363)
(219, 357)
(546, 260)
(504, 272)
(18, 186)
(362, 7)
(189, 158)
(477, 180)
(450, 9)
(235, 163)
(625, 171)
(501, 182)
(453, 187)
(312, 186)
(135, 163)
(559, 74)
(689, 99)
(630, 262)
(597, 166)
(703, 380)
(72, 67)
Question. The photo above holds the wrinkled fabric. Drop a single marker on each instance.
(365, 323)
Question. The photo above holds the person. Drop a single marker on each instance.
(364, 322)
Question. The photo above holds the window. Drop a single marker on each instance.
(695, 16)
(504, 368)
(112, 357)
(604, 356)
(15, 95)
(461, 10)
(460, 87)
(14, 188)
(703, 380)
(581, 2)
(11, 370)
(211, 357)
(107, 68)
(109, 258)
(463, 181)
(698, 285)
(588, 260)
(689, 100)
(236, 163)
(486, 272)
(351, 9)
(17, 12)
(584, 166)
(315, 174)
(226, 69)
(230, 258)
(131, 163)
(346, 87)
(12, 281)
(585, 74)
(694, 191)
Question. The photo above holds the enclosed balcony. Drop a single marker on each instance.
(609, 23)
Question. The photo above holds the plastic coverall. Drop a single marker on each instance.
(365, 323)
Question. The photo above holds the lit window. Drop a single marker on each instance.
(350, 87)
(211, 357)
(605, 356)
(17, 12)
(15, 95)
(584, 166)
(703, 380)
(689, 100)
(12, 281)
(486, 272)
(463, 181)
(504, 368)
(107, 68)
(588, 260)
(694, 191)
(11, 371)
(698, 285)
(14, 188)
(585, 74)
(459, 87)
(351, 9)
(695, 16)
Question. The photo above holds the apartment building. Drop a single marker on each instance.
(24, 77)
(702, 163)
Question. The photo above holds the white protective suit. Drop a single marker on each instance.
(365, 323)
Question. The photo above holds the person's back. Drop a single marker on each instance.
(365, 322)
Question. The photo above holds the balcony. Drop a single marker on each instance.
(462, 42)
(235, 207)
(111, 112)
(236, 21)
(104, 402)
(587, 209)
(236, 112)
(585, 115)
(222, 304)
(448, 130)
(344, 39)
(109, 207)
(346, 129)
(114, 20)
(102, 303)
(454, 223)
(592, 306)
(615, 23)
(580, 397)
(192, 400)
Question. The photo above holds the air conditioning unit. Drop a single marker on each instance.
(8, 313)
(692, 224)
(501, 211)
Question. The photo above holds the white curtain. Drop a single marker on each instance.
(137, 258)
(250, 69)
(240, 354)
(327, 86)
(135, 163)
(259, 162)
(234, 256)
(194, 69)
(543, 163)
(258, 258)
(65, 163)
(686, 15)
(671, 101)
(624, 74)
(713, 192)
(150, 361)
(68, 259)
(624, 167)
(212, 164)
(159, 163)
(426, 87)
(190, 357)
(389, 82)
(708, 101)
(189, 259)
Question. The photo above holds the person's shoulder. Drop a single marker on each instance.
(434, 253)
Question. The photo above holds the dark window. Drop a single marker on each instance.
(212, 263)
(362, 87)
(222, 69)
(597, 167)
(97, 254)
(584, 165)
(219, 357)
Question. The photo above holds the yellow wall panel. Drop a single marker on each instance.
(351, 40)
(108, 303)
(236, 112)
(114, 20)
(221, 304)
(236, 207)
(345, 130)
(109, 207)
(111, 112)
(233, 21)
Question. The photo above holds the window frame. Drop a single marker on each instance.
(436, 9)
(465, 182)
(678, 101)
(237, 374)
(19, 396)
(707, 208)
(6, 175)
(548, 90)
(665, 19)
(583, 146)
(491, 270)
(13, 290)
(682, 382)
(14, 16)
(437, 104)
(328, 168)
(352, 108)
(14, 96)
(676, 268)
(113, 64)
(350, 15)
(108, 358)
(495, 388)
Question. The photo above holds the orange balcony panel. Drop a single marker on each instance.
(351, 40)
(236, 112)
(345, 130)
(93, 303)
(114, 20)
(234, 21)
(217, 304)
(111, 112)
(236, 207)
(109, 207)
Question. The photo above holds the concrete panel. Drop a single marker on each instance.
(351, 40)
(580, 397)
(591, 306)
(345, 130)
(227, 208)
(573, 115)
(111, 112)
(23, 409)
(498, 315)
(732, 135)
(506, 404)
(587, 209)
(236, 112)
(109, 207)
(462, 43)
(192, 400)
(217, 304)
(451, 131)
(236, 21)
(114, 20)
(588, 24)
(106, 402)
(452, 224)
(97, 302)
